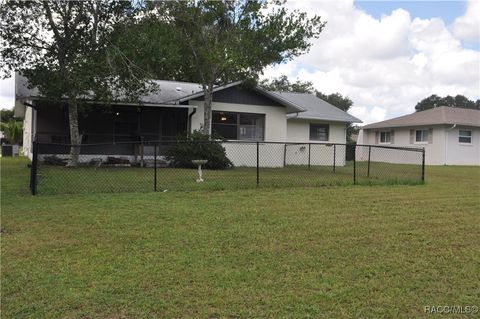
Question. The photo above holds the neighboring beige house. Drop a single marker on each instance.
(450, 136)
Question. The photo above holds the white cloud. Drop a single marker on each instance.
(467, 27)
(384, 65)
(7, 91)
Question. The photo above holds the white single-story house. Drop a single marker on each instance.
(239, 113)
(450, 135)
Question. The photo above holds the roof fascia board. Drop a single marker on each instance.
(310, 118)
(116, 103)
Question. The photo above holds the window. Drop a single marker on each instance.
(465, 136)
(238, 126)
(386, 137)
(421, 136)
(319, 132)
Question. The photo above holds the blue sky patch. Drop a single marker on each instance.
(447, 10)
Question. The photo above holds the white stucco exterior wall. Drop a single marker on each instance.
(298, 131)
(444, 149)
(457, 153)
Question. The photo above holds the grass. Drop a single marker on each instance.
(58, 179)
(329, 252)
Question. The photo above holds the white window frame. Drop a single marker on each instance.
(423, 141)
(387, 141)
(465, 136)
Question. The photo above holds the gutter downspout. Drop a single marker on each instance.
(446, 142)
(190, 121)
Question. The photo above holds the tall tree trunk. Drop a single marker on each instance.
(207, 109)
(74, 134)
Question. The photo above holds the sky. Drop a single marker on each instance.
(384, 55)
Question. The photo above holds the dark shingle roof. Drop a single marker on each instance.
(305, 106)
(316, 108)
(169, 91)
(436, 116)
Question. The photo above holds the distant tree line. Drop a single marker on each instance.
(452, 101)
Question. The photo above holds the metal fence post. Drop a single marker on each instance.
(309, 151)
(334, 156)
(368, 166)
(423, 165)
(33, 169)
(285, 155)
(155, 167)
(258, 164)
(354, 164)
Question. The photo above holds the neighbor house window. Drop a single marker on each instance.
(465, 136)
(238, 126)
(421, 136)
(319, 132)
(386, 137)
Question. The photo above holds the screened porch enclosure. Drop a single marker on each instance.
(111, 124)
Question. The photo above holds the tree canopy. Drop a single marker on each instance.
(71, 50)
(217, 42)
(452, 101)
(6, 115)
(62, 47)
(283, 84)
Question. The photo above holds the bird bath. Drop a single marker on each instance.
(199, 163)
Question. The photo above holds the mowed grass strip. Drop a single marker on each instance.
(71, 180)
(328, 252)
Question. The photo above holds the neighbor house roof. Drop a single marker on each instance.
(316, 108)
(435, 116)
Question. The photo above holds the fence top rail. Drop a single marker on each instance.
(167, 142)
(404, 148)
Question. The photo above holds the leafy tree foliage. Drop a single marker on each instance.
(217, 42)
(336, 99)
(452, 101)
(283, 84)
(62, 47)
(6, 115)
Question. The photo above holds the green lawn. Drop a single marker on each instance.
(320, 252)
(61, 180)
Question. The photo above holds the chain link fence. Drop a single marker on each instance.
(168, 166)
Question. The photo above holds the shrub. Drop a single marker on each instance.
(198, 146)
(13, 131)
